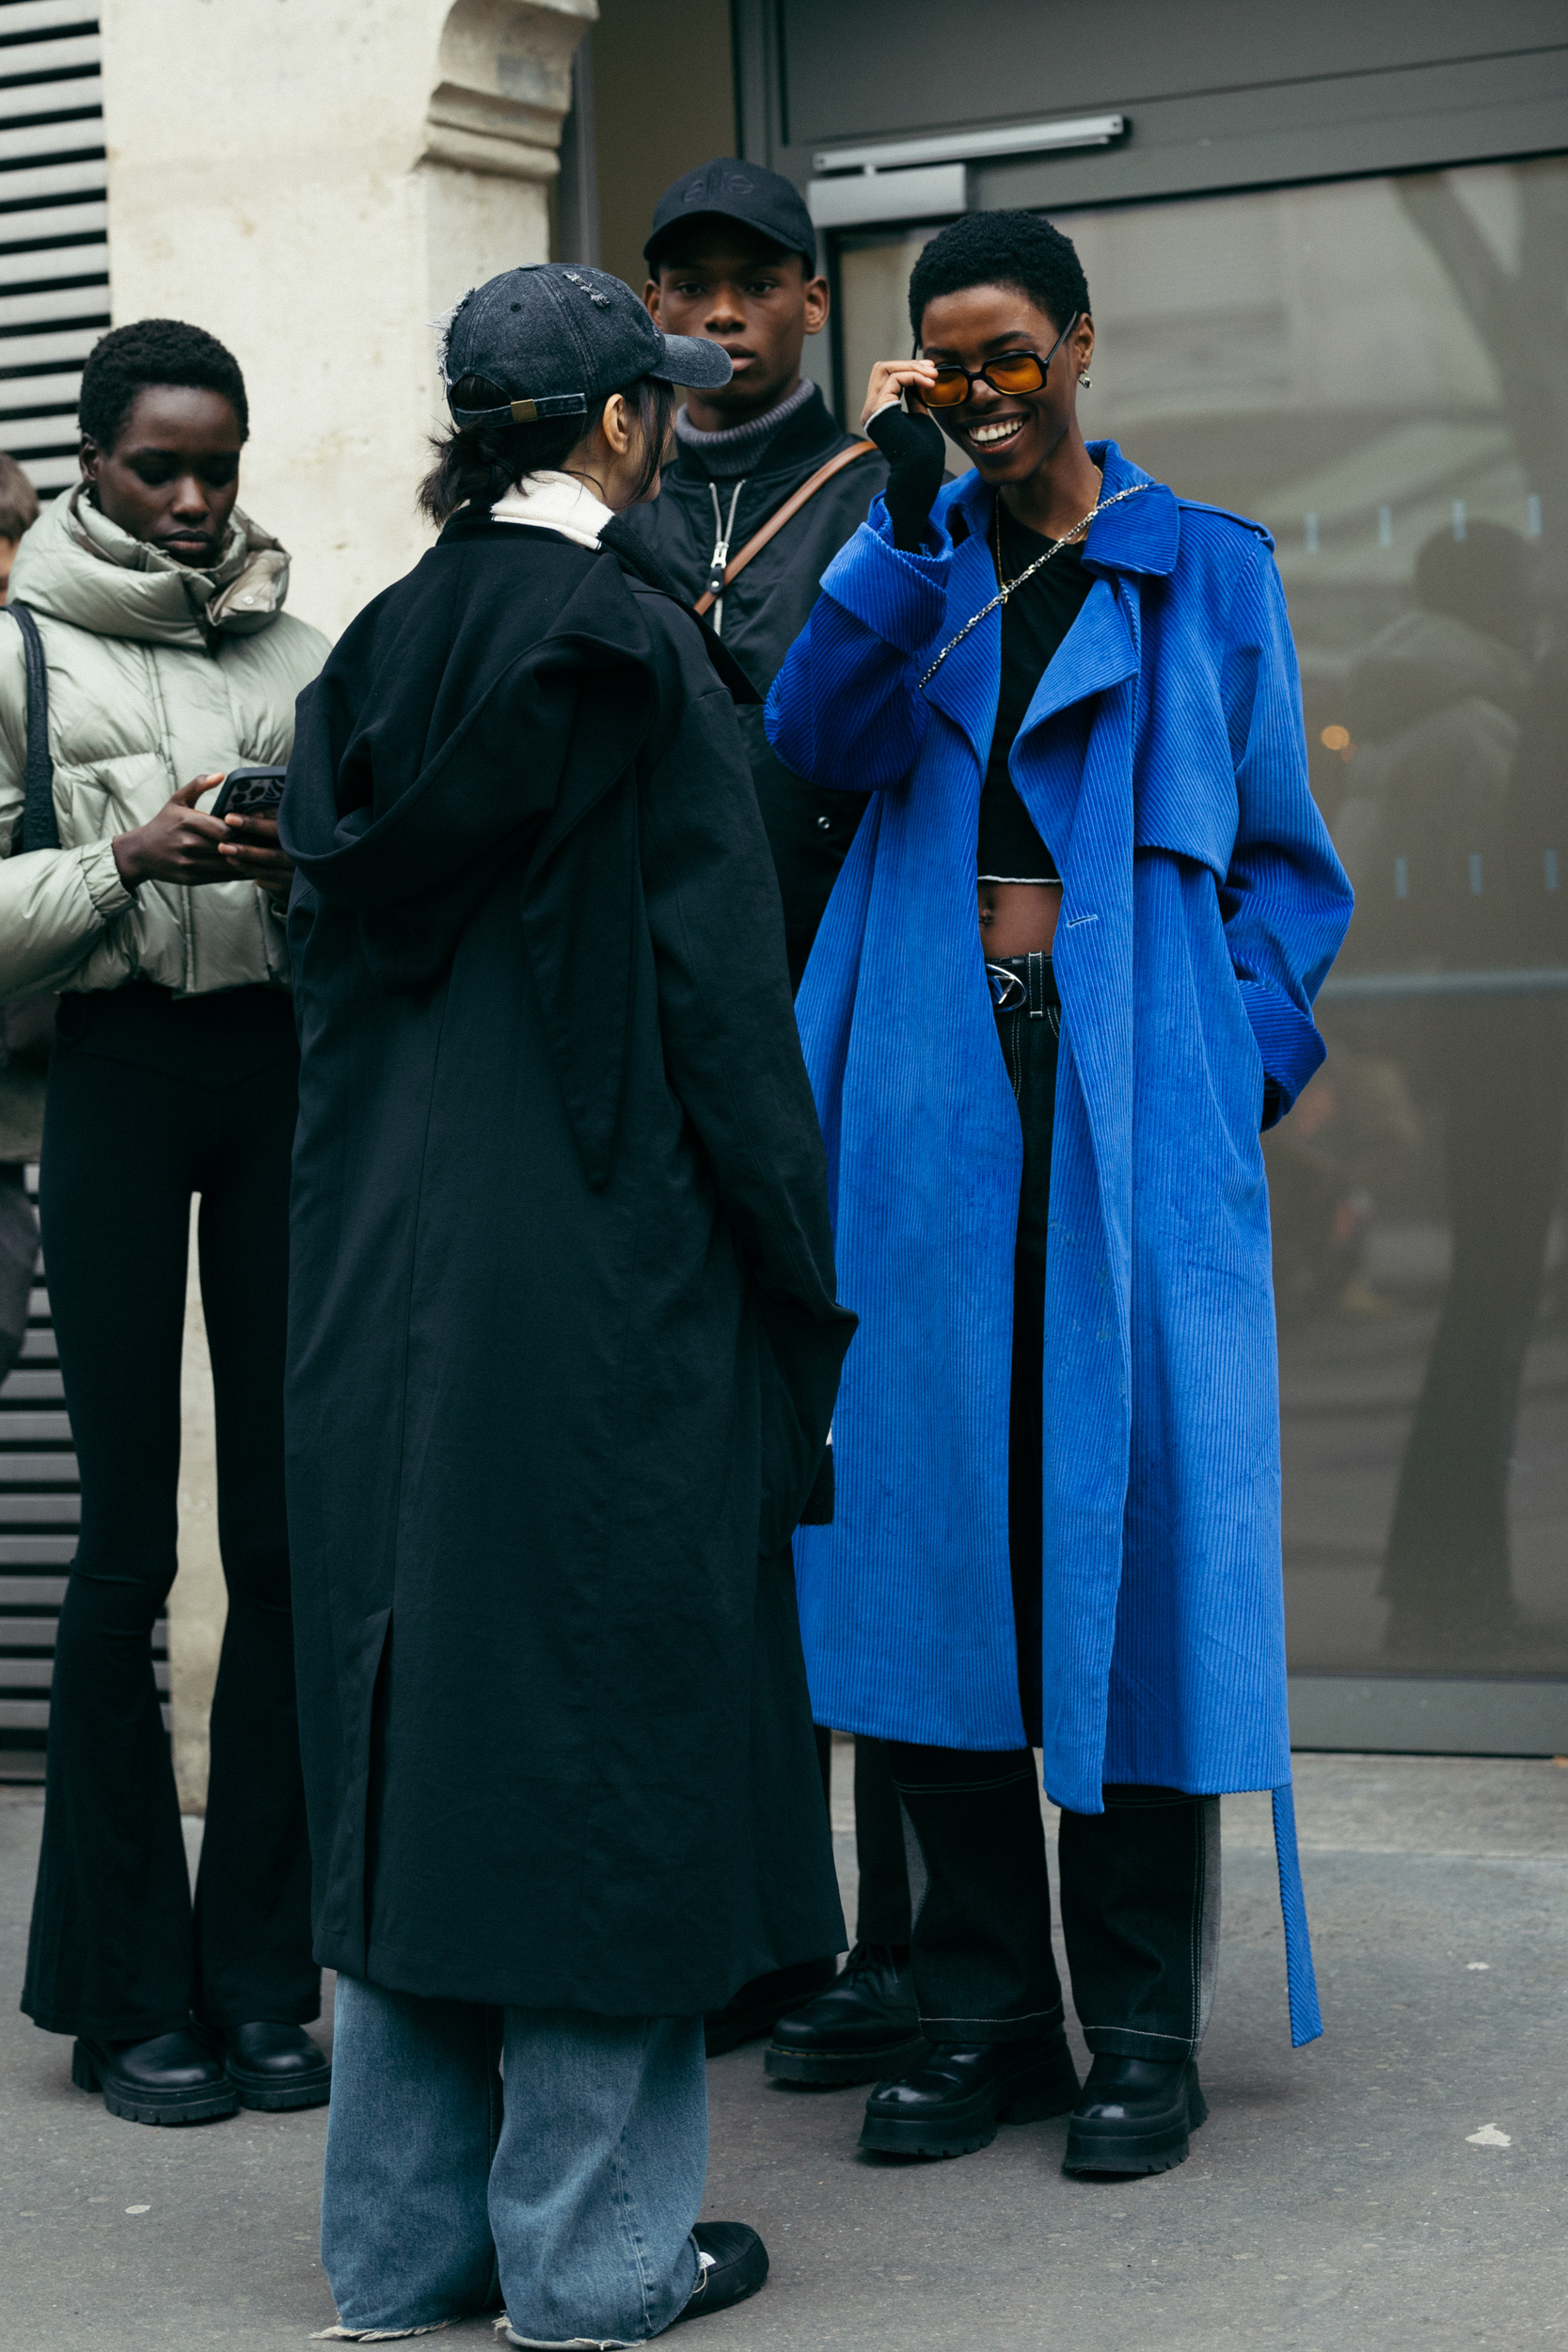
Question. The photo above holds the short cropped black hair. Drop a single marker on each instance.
(153, 351)
(1019, 249)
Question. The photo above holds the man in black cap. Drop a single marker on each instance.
(733, 255)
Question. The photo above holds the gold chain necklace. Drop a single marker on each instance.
(1010, 587)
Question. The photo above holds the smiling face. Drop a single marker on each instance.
(757, 303)
(173, 475)
(1006, 436)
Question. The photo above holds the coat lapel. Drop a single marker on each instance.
(1138, 536)
(964, 687)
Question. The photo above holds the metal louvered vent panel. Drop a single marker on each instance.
(53, 232)
(54, 306)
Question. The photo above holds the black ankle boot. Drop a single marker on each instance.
(1134, 2115)
(273, 2066)
(861, 2030)
(171, 2079)
(750, 2013)
(955, 2100)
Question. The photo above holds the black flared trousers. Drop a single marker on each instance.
(1140, 1882)
(882, 1895)
(151, 1101)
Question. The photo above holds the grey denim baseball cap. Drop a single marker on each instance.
(557, 337)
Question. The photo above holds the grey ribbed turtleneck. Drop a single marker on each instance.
(738, 449)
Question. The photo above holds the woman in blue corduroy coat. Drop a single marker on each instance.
(1064, 979)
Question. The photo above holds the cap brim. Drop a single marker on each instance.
(692, 359)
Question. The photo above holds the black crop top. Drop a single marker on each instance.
(1033, 623)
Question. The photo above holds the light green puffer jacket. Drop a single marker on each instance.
(157, 673)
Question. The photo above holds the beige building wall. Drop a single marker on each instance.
(197, 1604)
(315, 182)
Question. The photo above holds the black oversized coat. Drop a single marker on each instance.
(563, 1344)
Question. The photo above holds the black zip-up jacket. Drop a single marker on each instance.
(809, 829)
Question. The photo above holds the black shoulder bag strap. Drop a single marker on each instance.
(40, 830)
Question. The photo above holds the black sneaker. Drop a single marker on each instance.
(753, 2010)
(171, 2079)
(734, 2265)
(1134, 2115)
(953, 2102)
(860, 2030)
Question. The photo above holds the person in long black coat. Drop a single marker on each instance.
(564, 1350)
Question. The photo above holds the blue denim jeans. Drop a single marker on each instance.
(571, 2199)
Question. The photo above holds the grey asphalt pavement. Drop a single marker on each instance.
(1402, 2183)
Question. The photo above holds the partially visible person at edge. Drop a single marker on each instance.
(733, 257)
(556, 1134)
(26, 1029)
(19, 511)
(1065, 978)
(169, 660)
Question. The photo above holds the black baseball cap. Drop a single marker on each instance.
(760, 200)
(555, 338)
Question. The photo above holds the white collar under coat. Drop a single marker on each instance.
(555, 501)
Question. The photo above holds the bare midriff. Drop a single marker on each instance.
(1018, 918)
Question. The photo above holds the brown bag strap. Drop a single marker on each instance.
(785, 514)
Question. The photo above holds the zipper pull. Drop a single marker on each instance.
(721, 535)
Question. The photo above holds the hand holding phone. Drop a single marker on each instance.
(190, 846)
(251, 792)
(248, 809)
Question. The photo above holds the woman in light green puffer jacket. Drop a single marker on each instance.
(158, 674)
(174, 1071)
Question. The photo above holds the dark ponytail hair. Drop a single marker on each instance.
(477, 464)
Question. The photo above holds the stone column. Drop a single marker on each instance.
(316, 181)
(198, 1605)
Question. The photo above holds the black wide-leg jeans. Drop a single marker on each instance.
(151, 1101)
(1140, 1882)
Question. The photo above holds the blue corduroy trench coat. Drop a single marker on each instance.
(1164, 761)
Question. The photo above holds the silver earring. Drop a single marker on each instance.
(1086, 379)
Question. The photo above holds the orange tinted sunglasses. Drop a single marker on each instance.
(1014, 372)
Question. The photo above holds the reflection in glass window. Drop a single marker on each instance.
(1379, 371)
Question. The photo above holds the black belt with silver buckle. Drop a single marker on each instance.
(1017, 981)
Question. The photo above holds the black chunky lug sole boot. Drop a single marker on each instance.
(955, 2103)
(275, 2067)
(862, 2029)
(1136, 2116)
(172, 2079)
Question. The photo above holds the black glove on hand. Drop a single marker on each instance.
(917, 459)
